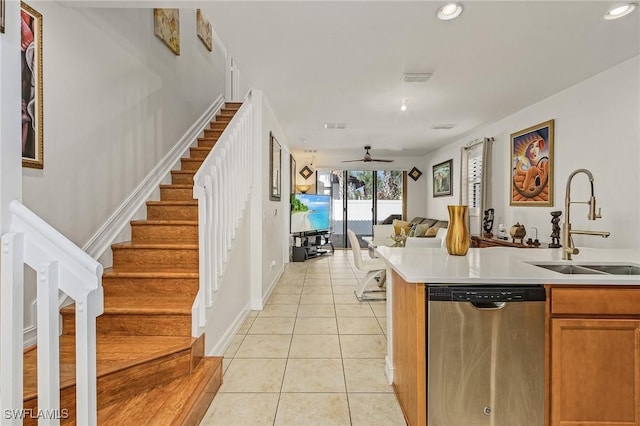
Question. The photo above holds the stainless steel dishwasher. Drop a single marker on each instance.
(485, 355)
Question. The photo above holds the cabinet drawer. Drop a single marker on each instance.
(604, 301)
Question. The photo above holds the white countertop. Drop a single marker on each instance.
(503, 265)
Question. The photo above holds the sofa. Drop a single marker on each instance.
(420, 231)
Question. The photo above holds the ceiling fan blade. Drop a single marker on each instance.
(350, 161)
(382, 161)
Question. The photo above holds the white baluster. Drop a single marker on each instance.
(48, 343)
(86, 377)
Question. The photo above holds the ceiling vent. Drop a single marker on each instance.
(335, 126)
(416, 77)
(312, 151)
(444, 126)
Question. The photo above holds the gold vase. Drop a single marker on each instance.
(458, 239)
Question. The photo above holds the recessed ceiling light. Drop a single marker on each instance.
(403, 105)
(449, 11)
(444, 126)
(620, 11)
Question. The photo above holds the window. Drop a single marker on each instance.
(475, 178)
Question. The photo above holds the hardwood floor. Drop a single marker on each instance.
(150, 369)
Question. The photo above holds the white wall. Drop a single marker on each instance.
(116, 100)
(597, 128)
(275, 214)
(232, 300)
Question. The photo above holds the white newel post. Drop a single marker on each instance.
(86, 374)
(48, 341)
(11, 311)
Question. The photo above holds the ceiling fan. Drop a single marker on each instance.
(367, 157)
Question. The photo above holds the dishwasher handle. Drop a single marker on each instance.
(488, 306)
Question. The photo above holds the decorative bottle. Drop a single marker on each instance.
(458, 239)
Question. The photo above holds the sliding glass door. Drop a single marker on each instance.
(361, 198)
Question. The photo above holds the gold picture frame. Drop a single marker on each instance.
(204, 31)
(31, 62)
(532, 166)
(166, 26)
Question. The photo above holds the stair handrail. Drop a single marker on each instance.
(60, 266)
(221, 185)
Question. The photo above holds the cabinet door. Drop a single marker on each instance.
(595, 372)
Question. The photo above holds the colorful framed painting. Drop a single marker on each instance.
(166, 26)
(204, 31)
(275, 177)
(31, 71)
(442, 178)
(532, 166)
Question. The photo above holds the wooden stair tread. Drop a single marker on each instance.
(114, 353)
(149, 305)
(177, 186)
(173, 246)
(165, 222)
(181, 401)
(152, 273)
(175, 304)
(173, 202)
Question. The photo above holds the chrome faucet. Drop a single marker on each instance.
(567, 233)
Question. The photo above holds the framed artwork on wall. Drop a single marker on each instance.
(275, 177)
(532, 166)
(31, 65)
(292, 173)
(1, 16)
(203, 30)
(166, 26)
(442, 178)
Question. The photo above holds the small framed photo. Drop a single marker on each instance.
(275, 177)
(415, 173)
(442, 178)
(532, 166)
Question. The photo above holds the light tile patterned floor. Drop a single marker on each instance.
(313, 356)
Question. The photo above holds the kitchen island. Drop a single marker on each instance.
(591, 327)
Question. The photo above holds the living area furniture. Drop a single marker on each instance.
(375, 269)
(312, 244)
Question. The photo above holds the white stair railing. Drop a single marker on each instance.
(60, 266)
(221, 185)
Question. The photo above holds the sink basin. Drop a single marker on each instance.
(571, 269)
(616, 269)
(591, 269)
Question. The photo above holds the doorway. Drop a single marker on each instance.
(360, 199)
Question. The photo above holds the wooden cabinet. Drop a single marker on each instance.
(594, 365)
(409, 349)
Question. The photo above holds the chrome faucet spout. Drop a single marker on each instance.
(567, 232)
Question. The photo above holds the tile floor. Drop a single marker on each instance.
(313, 356)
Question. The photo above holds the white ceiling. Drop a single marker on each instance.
(342, 61)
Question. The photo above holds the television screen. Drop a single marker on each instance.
(310, 213)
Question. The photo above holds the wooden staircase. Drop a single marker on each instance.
(150, 370)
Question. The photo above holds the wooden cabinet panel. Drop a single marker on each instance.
(409, 349)
(595, 301)
(595, 372)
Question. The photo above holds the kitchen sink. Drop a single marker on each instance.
(609, 269)
(571, 269)
(617, 269)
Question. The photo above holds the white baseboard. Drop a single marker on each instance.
(119, 220)
(258, 304)
(223, 343)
